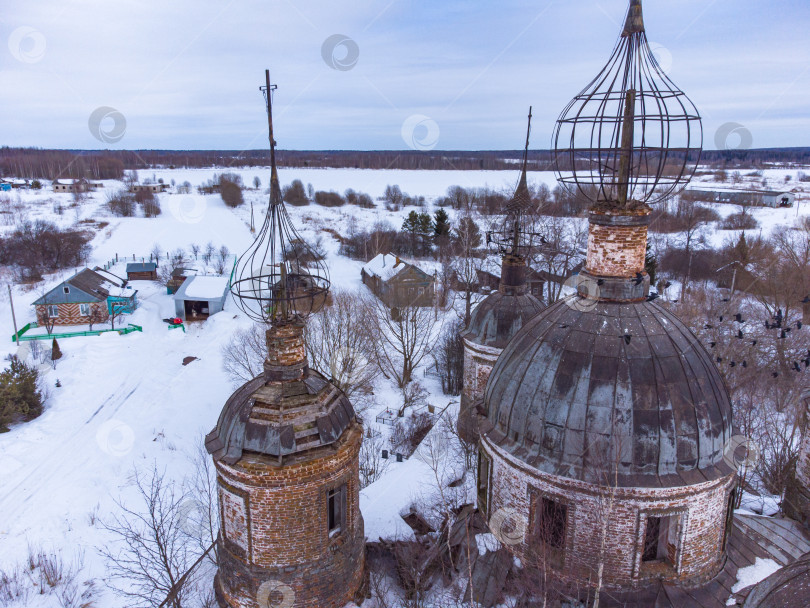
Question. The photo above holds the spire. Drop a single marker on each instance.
(275, 186)
(635, 19)
(522, 195)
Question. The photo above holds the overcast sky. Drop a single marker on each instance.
(184, 74)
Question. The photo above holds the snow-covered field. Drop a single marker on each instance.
(126, 402)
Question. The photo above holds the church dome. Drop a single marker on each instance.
(586, 376)
(499, 316)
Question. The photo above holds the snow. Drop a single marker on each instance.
(487, 543)
(384, 266)
(126, 402)
(755, 573)
(205, 288)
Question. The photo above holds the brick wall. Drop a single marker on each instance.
(617, 244)
(274, 527)
(701, 510)
(478, 363)
(70, 314)
(797, 497)
(285, 344)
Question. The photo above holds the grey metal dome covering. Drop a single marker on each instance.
(499, 316)
(628, 379)
(280, 419)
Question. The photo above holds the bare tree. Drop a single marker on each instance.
(150, 553)
(340, 342)
(402, 338)
(372, 464)
(243, 356)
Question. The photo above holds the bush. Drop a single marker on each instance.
(36, 184)
(231, 192)
(329, 199)
(360, 199)
(739, 221)
(20, 398)
(40, 245)
(121, 203)
(295, 194)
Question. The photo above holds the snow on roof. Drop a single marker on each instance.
(710, 188)
(384, 266)
(205, 288)
(110, 277)
(66, 182)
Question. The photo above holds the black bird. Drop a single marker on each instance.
(733, 364)
(674, 301)
(775, 374)
(707, 326)
(627, 338)
(796, 366)
(667, 285)
(726, 299)
(721, 318)
(783, 335)
(739, 335)
(563, 326)
(806, 300)
(712, 344)
(600, 282)
(719, 359)
(753, 342)
(639, 278)
(652, 297)
(767, 325)
(807, 363)
(738, 318)
(745, 363)
(798, 324)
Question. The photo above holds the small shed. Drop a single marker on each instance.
(142, 271)
(199, 297)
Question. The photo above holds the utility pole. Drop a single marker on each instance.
(13, 316)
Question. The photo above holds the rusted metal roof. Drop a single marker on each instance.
(280, 418)
(499, 316)
(626, 378)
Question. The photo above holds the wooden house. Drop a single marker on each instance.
(87, 297)
(142, 271)
(398, 283)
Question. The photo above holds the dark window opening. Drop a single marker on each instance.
(551, 523)
(336, 510)
(483, 482)
(660, 544)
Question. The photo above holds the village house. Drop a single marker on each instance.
(142, 271)
(749, 198)
(199, 297)
(75, 185)
(90, 296)
(153, 188)
(8, 184)
(398, 283)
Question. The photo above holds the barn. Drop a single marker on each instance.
(142, 271)
(199, 297)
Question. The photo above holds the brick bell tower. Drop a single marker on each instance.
(797, 497)
(286, 445)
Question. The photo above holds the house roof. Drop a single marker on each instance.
(85, 286)
(141, 267)
(386, 266)
(203, 288)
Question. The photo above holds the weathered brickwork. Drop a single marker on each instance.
(70, 314)
(285, 345)
(275, 527)
(699, 511)
(617, 250)
(478, 363)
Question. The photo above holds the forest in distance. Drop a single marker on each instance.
(39, 163)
